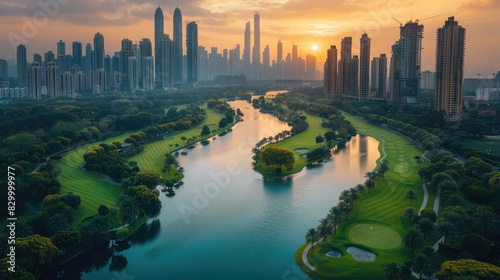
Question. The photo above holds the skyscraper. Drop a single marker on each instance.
(49, 56)
(364, 67)
(88, 59)
(310, 67)
(61, 53)
(410, 56)
(279, 56)
(37, 58)
(192, 53)
(266, 60)
(148, 68)
(354, 77)
(53, 76)
(4, 70)
(99, 51)
(22, 65)
(145, 48)
(374, 73)
(246, 49)
(159, 31)
(295, 56)
(450, 52)
(166, 51)
(133, 72)
(177, 46)
(382, 77)
(256, 39)
(77, 54)
(428, 81)
(330, 72)
(344, 61)
(395, 74)
(35, 77)
(126, 52)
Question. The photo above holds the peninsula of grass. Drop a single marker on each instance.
(297, 144)
(95, 190)
(377, 223)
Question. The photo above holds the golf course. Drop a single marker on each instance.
(96, 190)
(377, 223)
(300, 145)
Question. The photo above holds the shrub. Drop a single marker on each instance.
(122, 233)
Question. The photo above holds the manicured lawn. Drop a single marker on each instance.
(486, 145)
(303, 140)
(382, 209)
(154, 153)
(95, 190)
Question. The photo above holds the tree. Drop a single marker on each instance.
(411, 195)
(413, 240)
(410, 213)
(37, 252)
(393, 271)
(319, 139)
(335, 216)
(475, 244)
(425, 225)
(330, 136)
(130, 207)
(21, 141)
(421, 266)
(429, 214)
(324, 229)
(56, 223)
(122, 233)
(103, 210)
(486, 223)
(205, 130)
(67, 239)
(456, 269)
(144, 195)
(312, 236)
(147, 178)
(448, 230)
(476, 167)
(19, 274)
(277, 156)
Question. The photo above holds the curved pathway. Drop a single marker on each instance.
(426, 198)
(306, 250)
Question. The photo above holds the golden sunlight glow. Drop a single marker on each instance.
(315, 47)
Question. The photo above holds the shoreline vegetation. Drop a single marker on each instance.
(383, 206)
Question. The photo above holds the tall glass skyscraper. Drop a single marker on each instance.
(178, 46)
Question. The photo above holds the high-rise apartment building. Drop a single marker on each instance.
(364, 67)
(450, 52)
(330, 74)
(192, 53)
(99, 51)
(178, 41)
(22, 66)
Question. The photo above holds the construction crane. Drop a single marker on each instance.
(400, 23)
(417, 20)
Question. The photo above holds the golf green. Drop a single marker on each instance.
(375, 236)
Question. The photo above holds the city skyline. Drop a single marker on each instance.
(315, 31)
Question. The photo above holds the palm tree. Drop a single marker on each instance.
(411, 195)
(369, 184)
(425, 225)
(344, 195)
(421, 266)
(346, 208)
(447, 230)
(413, 240)
(393, 271)
(486, 223)
(336, 217)
(56, 223)
(410, 213)
(129, 207)
(354, 193)
(311, 236)
(324, 229)
(360, 188)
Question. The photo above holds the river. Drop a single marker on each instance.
(226, 222)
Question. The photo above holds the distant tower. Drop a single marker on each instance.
(246, 49)
(22, 65)
(450, 52)
(99, 51)
(354, 77)
(178, 46)
(310, 67)
(192, 53)
(159, 31)
(145, 48)
(295, 56)
(88, 59)
(364, 68)
(382, 77)
(330, 72)
(77, 54)
(279, 57)
(410, 61)
(395, 75)
(256, 45)
(35, 77)
(344, 62)
(126, 52)
(4, 68)
(53, 76)
(166, 51)
(148, 69)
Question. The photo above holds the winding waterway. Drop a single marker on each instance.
(226, 222)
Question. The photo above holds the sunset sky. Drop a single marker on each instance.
(221, 24)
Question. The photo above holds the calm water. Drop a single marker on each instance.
(226, 222)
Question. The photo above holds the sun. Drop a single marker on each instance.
(315, 47)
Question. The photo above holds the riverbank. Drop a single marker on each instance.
(382, 207)
(77, 180)
(299, 144)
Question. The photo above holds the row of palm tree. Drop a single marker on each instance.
(278, 137)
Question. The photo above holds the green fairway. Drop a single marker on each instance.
(486, 145)
(303, 140)
(95, 189)
(375, 236)
(154, 153)
(382, 208)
